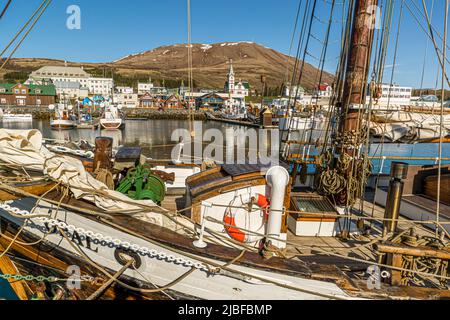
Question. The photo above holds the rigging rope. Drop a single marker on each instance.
(441, 128)
(47, 3)
(5, 9)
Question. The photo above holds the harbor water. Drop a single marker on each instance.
(155, 137)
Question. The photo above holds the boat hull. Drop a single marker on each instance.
(62, 124)
(112, 124)
(164, 267)
(17, 118)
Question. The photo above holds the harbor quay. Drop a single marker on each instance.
(43, 113)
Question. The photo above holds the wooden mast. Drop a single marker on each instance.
(355, 86)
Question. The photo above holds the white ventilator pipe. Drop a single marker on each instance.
(277, 179)
(177, 152)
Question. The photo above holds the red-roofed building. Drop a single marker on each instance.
(324, 91)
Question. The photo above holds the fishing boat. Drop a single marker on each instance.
(85, 119)
(234, 110)
(63, 117)
(112, 118)
(87, 122)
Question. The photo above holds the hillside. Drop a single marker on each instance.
(210, 62)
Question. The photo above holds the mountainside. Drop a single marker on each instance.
(210, 62)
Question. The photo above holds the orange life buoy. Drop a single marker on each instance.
(230, 221)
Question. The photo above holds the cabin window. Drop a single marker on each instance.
(38, 102)
(38, 91)
(20, 102)
(24, 91)
(17, 91)
(3, 101)
(2, 90)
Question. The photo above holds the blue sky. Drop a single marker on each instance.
(112, 29)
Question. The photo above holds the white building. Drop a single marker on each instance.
(127, 100)
(324, 91)
(294, 92)
(395, 95)
(96, 86)
(128, 90)
(61, 73)
(70, 89)
(144, 88)
(237, 89)
(101, 86)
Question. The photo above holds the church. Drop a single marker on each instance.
(237, 89)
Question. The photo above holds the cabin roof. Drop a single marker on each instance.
(224, 177)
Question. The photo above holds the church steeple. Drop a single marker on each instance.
(231, 79)
(231, 73)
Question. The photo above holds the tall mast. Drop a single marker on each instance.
(354, 96)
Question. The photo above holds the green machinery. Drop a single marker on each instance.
(141, 184)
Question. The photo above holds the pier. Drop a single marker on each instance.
(43, 113)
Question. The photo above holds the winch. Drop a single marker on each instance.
(141, 183)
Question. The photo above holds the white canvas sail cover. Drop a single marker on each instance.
(25, 149)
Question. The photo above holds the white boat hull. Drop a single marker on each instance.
(114, 124)
(59, 124)
(17, 118)
(161, 271)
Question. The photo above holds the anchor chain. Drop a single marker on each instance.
(152, 253)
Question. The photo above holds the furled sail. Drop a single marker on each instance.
(25, 149)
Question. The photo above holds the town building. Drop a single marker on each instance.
(101, 86)
(70, 89)
(324, 91)
(96, 86)
(212, 100)
(27, 95)
(237, 89)
(144, 88)
(294, 92)
(183, 89)
(150, 101)
(395, 95)
(174, 102)
(127, 100)
(127, 90)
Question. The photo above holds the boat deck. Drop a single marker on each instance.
(429, 204)
(313, 248)
(320, 258)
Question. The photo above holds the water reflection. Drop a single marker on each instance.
(155, 138)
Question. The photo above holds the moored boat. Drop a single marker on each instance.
(8, 116)
(112, 118)
(63, 118)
